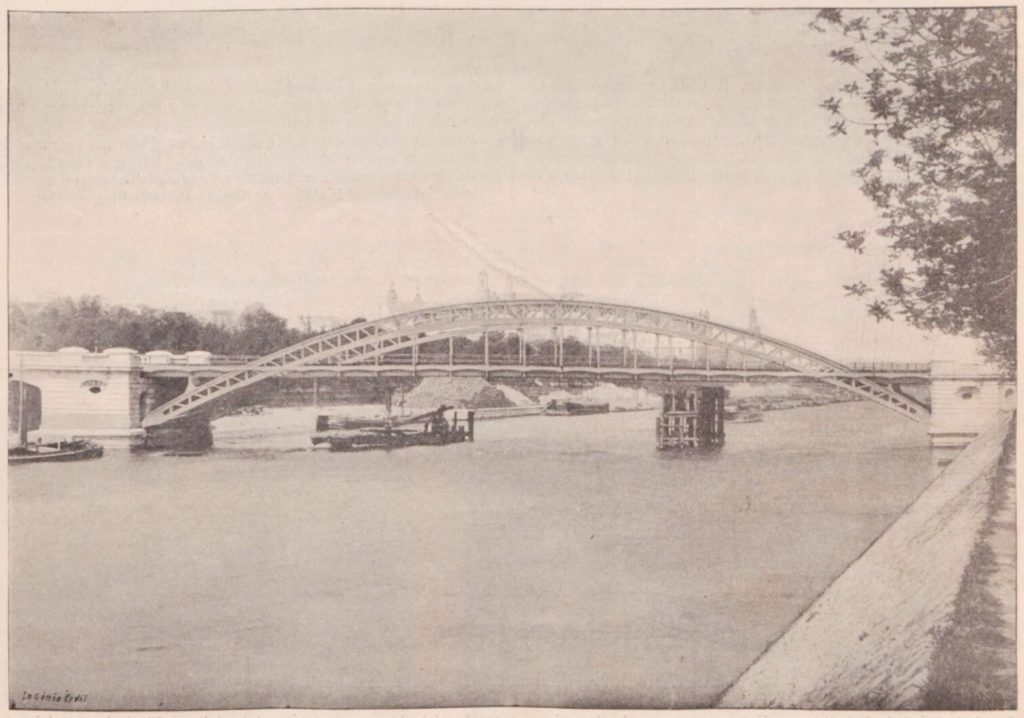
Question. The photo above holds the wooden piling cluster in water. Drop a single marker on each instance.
(692, 418)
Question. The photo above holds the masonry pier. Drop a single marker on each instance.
(186, 433)
(692, 418)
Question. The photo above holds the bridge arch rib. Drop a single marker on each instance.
(371, 339)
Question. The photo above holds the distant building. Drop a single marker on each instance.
(483, 288)
(484, 293)
(314, 324)
(396, 306)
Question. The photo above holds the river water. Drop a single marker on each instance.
(556, 561)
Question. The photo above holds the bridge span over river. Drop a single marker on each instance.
(112, 392)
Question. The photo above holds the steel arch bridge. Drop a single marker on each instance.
(370, 340)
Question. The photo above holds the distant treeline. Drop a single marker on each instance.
(91, 323)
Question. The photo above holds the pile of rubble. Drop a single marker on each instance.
(460, 392)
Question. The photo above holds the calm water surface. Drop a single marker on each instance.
(555, 561)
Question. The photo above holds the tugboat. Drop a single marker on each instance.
(436, 431)
(73, 450)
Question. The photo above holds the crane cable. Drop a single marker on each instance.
(515, 273)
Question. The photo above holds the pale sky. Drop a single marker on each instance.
(677, 160)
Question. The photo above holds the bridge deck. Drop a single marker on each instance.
(910, 375)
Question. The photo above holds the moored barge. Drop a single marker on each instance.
(393, 434)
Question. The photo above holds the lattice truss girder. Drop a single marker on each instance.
(368, 340)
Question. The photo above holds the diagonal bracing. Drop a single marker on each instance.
(372, 339)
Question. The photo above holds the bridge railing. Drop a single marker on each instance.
(232, 359)
(889, 367)
(534, 357)
(540, 358)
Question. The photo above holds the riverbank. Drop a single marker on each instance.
(778, 397)
(975, 661)
(898, 629)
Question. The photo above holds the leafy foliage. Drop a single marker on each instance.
(936, 95)
(89, 323)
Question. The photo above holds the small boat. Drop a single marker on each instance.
(73, 450)
(574, 408)
(736, 415)
(508, 412)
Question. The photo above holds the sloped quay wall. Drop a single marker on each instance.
(869, 641)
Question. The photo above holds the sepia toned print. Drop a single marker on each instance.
(574, 358)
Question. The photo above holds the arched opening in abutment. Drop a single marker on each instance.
(24, 408)
(145, 402)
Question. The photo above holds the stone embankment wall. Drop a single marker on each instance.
(975, 664)
(870, 640)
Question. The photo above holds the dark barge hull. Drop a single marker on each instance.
(69, 451)
(394, 440)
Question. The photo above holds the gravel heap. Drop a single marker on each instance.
(460, 392)
(617, 397)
